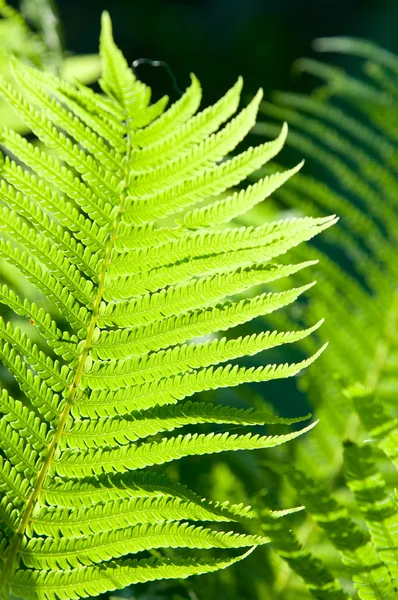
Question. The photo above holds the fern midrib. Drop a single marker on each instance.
(19, 533)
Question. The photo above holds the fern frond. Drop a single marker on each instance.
(211, 182)
(145, 368)
(97, 491)
(55, 375)
(24, 421)
(182, 110)
(42, 248)
(20, 453)
(64, 119)
(80, 102)
(36, 389)
(192, 295)
(14, 488)
(104, 183)
(225, 210)
(197, 129)
(103, 432)
(122, 514)
(62, 343)
(278, 237)
(53, 171)
(36, 189)
(81, 216)
(177, 329)
(50, 554)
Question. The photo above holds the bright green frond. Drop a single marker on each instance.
(53, 171)
(103, 432)
(144, 368)
(24, 421)
(194, 132)
(47, 253)
(36, 189)
(91, 492)
(276, 237)
(55, 375)
(108, 346)
(225, 210)
(63, 343)
(209, 182)
(50, 553)
(36, 389)
(122, 514)
(118, 80)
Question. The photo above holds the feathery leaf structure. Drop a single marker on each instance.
(83, 219)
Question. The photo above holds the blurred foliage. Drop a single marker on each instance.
(347, 131)
(34, 36)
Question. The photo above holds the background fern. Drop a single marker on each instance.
(101, 219)
(353, 390)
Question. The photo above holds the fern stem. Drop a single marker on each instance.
(9, 564)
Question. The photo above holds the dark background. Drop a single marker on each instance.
(220, 39)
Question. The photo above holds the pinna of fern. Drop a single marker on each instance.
(87, 217)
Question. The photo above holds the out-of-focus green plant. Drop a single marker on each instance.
(348, 132)
(33, 36)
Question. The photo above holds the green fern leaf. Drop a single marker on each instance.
(82, 219)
